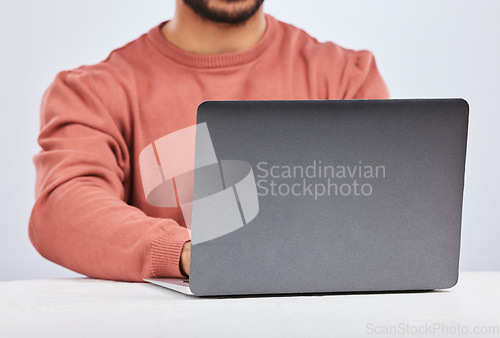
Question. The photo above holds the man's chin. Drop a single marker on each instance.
(225, 11)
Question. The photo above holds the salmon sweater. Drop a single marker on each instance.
(90, 213)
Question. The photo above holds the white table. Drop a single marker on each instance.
(89, 307)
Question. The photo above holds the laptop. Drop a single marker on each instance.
(324, 196)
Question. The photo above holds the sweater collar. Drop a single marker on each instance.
(213, 60)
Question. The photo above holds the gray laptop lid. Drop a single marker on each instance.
(361, 195)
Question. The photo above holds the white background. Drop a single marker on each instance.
(424, 48)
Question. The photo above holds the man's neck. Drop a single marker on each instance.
(191, 33)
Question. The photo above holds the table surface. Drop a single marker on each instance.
(89, 307)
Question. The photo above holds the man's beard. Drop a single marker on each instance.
(218, 15)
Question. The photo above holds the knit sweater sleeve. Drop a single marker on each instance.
(80, 219)
(362, 79)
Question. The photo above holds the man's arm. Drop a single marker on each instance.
(80, 219)
(186, 258)
(362, 78)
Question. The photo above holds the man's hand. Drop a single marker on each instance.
(185, 258)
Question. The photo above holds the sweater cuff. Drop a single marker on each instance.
(166, 252)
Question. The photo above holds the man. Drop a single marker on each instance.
(91, 214)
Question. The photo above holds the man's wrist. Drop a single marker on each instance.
(185, 258)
